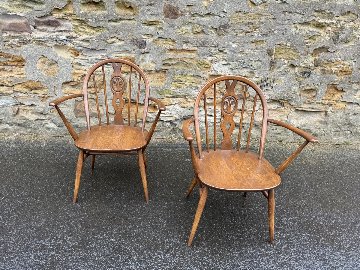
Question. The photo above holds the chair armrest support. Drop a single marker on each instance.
(185, 129)
(67, 124)
(298, 131)
(308, 137)
(64, 98)
(187, 136)
(159, 104)
(161, 108)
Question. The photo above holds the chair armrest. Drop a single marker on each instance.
(308, 137)
(64, 98)
(185, 129)
(161, 108)
(298, 131)
(67, 124)
(159, 104)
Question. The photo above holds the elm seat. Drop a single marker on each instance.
(240, 171)
(112, 138)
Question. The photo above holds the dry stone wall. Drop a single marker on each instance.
(303, 53)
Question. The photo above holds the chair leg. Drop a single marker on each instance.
(143, 174)
(145, 160)
(271, 213)
(78, 175)
(199, 210)
(244, 196)
(191, 187)
(92, 163)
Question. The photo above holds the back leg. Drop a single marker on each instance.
(92, 163)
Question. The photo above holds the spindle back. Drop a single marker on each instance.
(228, 111)
(116, 91)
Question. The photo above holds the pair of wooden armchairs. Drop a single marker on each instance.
(228, 111)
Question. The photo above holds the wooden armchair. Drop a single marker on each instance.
(228, 112)
(116, 98)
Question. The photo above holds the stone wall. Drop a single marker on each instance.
(303, 53)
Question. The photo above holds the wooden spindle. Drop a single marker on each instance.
(214, 116)
(244, 91)
(129, 101)
(251, 123)
(105, 95)
(97, 99)
(206, 124)
(137, 100)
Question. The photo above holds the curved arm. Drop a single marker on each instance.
(161, 108)
(159, 104)
(298, 131)
(55, 103)
(64, 98)
(308, 137)
(188, 136)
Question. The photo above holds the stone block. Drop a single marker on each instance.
(93, 6)
(7, 101)
(125, 8)
(33, 87)
(181, 81)
(157, 79)
(14, 23)
(165, 42)
(47, 66)
(171, 11)
(285, 52)
(338, 67)
(333, 93)
(47, 22)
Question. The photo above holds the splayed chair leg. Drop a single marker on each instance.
(78, 175)
(199, 210)
(92, 163)
(271, 213)
(145, 159)
(143, 174)
(191, 187)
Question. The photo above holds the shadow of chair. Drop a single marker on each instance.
(116, 98)
(229, 111)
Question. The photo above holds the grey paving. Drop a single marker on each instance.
(317, 214)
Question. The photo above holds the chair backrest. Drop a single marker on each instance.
(116, 91)
(228, 111)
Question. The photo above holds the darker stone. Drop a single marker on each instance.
(47, 22)
(14, 23)
(171, 12)
(79, 110)
(140, 43)
(342, 36)
(222, 29)
(319, 50)
(305, 73)
(257, 2)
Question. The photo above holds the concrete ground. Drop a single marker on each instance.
(317, 222)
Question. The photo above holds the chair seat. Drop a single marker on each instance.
(111, 138)
(237, 170)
